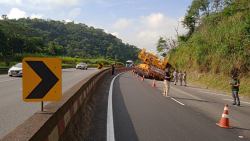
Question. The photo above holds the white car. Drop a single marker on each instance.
(16, 70)
(82, 66)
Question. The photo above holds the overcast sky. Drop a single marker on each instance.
(137, 22)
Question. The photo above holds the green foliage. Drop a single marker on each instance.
(4, 50)
(65, 39)
(221, 44)
(161, 44)
(66, 61)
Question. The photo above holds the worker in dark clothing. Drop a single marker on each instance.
(235, 83)
(167, 78)
(113, 68)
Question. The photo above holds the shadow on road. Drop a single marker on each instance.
(123, 126)
(241, 128)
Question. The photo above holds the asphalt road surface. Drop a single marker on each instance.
(140, 112)
(13, 110)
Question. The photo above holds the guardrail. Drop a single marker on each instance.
(4, 68)
(67, 119)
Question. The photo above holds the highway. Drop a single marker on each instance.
(12, 107)
(140, 112)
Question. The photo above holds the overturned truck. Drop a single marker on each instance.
(152, 66)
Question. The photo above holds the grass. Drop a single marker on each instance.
(218, 48)
(218, 82)
(3, 71)
(2, 64)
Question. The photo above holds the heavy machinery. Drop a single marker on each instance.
(152, 66)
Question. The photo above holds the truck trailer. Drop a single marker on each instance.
(152, 66)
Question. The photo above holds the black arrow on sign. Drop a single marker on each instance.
(48, 79)
(100, 65)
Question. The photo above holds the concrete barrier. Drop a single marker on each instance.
(67, 119)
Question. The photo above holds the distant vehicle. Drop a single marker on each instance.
(16, 70)
(82, 66)
(129, 63)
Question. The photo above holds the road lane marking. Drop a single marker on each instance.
(21, 89)
(186, 93)
(240, 101)
(9, 80)
(78, 74)
(178, 101)
(110, 121)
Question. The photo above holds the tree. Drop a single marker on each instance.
(39, 35)
(4, 47)
(34, 45)
(59, 50)
(161, 44)
(4, 17)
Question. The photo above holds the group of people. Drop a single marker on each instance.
(181, 76)
(234, 83)
(167, 78)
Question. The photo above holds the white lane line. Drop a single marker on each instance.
(9, 80)
(240, 101)
(78, 74)
(178, 101)
(110, 121)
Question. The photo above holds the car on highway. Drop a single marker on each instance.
(16, 70)
(82, 66)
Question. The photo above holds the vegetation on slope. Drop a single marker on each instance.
(217, 44)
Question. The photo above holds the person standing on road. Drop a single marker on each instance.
(235, 83)
(113, 68)
(175, 76)
(180, 77)
(167, 78)
(184, 78)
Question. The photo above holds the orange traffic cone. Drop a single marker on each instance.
(137, 75)
(132, 72)
(224, 121)
(153, 84)
(142, 78)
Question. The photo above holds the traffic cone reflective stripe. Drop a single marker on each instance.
(142, 78)
(137, 75)
(153, 84)
(224, 121)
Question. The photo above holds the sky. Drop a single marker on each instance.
(137, 22)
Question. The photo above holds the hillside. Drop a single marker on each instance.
(217, 48)
(51, 37)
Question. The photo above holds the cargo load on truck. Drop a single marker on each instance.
(152, 66)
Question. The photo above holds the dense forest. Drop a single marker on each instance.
(61, 38)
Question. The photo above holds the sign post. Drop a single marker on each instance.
(42, 79)
(100, 65)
